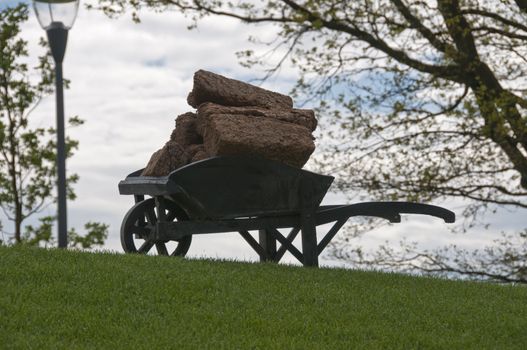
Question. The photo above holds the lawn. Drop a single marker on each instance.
(64, 299)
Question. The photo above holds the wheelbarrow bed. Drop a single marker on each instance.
(230, 187)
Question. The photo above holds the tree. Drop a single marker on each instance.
(27, 154)
(428, 96)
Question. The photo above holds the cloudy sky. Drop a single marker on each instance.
(129, 81)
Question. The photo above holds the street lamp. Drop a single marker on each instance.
(57, 17)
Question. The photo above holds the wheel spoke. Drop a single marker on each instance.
(161, 249)
(141, 221)
(174, 212)
(141, 231)
(151, 216)
(145, 247)
(171, 215)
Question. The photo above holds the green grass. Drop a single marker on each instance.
(63, 299)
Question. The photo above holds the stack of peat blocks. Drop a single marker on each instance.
(236, 118)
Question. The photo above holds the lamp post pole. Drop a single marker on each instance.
(57, 37)
(56, 17)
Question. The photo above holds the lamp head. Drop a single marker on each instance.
(53, 13)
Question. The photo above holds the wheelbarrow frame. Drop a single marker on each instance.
(296, 193)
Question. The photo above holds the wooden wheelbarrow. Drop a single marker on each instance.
(242, 194)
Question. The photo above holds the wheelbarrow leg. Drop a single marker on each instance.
(309, 240)
(268, 243)
(307, 220)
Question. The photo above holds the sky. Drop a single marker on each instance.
(129, 81)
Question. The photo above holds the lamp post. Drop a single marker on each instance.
(56, 17)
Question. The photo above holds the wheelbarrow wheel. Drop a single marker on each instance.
(139, 223)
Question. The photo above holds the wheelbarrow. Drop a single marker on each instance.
(243, 194)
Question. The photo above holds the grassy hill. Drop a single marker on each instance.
(63, 299)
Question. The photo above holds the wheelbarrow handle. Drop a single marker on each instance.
(388, 210)
(424, 209)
